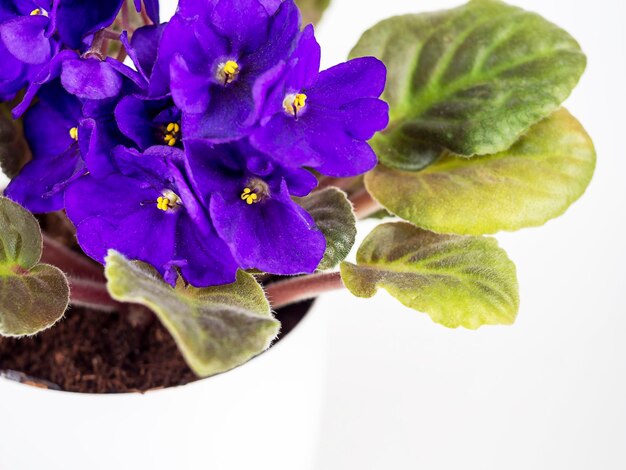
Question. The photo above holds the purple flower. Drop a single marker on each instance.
(251, 207)
(149, 213)
(191, 160)
(321, 120)
(32, 32)
(25, 43)
(217, 57)
(149, 122)
(89, 79)
(71, 129)
(55, 134)
(146, 120)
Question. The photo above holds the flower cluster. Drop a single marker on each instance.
(190, 158)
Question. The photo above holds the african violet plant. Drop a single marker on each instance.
(217, 154)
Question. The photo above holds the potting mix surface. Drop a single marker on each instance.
(94, 352)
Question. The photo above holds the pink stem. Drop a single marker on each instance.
(297, 289)
(126, 18)
(70, 262)
(364, 204)
(92, 294)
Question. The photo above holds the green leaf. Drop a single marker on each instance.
(14, 151)
(381, 214)
(404, 152)
(312, 10)
(33, 296)
(534, 181)
(457, 280)
(216, 328)
(472, 79)
(333, 215)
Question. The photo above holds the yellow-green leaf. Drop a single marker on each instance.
(534, 181)
(457, 280)
(216, 328)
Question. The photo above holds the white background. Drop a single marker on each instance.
(547, 393)
(400, 392)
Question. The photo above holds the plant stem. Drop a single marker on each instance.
(98, 46)
(364, 204)
(341, 183)
(92, 294)
(70, 262)
(297, 289)
(126, 17)
(111, 34)
(144, 16)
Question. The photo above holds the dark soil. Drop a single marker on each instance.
(94, 352)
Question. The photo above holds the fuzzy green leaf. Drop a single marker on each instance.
(216, 328)
(312, 10)
(471, 80)
(333, 215)
(534, 181)
(457, 280)
(33, 296)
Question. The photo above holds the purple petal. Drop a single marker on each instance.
(275, 235)
(91, 79)
(51, 71)
(102, 136)
(213, 168)
(189, 89)
(134, 121)
(289, 142)
(244, 22)
(363, 118)
(319, 139)
(47, 124)
(307, 57)
(14, 75)
(145, 46)
(207, 259)
(40, 184)
(226, 118)
(178, 35)
(152, 9)
(107, 220)
(24, 37)
(358, 78)
(151, 166)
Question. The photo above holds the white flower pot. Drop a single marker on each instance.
(238, 420)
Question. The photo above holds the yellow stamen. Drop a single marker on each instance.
(172, 134)
(227, 72)
(74, 133)
(293, 103)
(163, 203)
(256, 191)
(231, 67)
(35, 12)
(168, 201)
